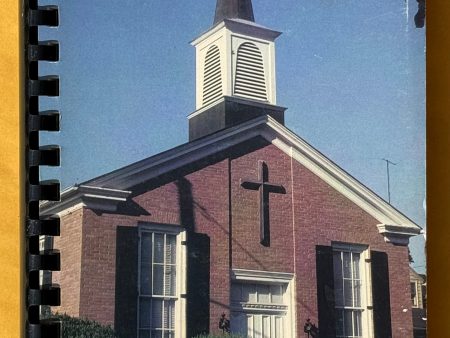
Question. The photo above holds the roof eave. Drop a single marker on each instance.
(393, 224)
(97, 198)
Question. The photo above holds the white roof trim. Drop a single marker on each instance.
(89, 196)
(278, 135)
(343, 182)
(250, 27)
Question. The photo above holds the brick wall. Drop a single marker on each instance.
(70, 275)
(323, 215)
(162, 206)
(199, 200)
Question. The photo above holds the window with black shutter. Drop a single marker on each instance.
(352, 292)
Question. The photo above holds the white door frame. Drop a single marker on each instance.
(270, 277)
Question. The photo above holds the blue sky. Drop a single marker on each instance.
(350, 72)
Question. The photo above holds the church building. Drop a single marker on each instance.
(245, 228)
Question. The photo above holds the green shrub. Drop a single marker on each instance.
(82, 328)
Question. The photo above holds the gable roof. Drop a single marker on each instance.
(391, 220)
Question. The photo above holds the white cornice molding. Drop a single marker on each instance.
(91, 197)
(280, 136)
(397, 234)
(261, 276)
(239, 26)
(331, 173)
(208, 33)
(252, 29)
(175, 158)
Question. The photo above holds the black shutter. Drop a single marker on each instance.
(325, 291)
(125, 317)
(380, 295)
(198, 267)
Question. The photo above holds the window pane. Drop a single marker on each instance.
(347, 265)
(145, 313)
(158, 280)
(263, 294)
(339, 292)
(159, 248)
(169, 315)
(339, 322)
(144, 334)
(146, 279)
(348, 323)
(357, 323)
(337, 265)
(156, 313)
(356, 265)
(171, 249)
(156, 334)
(348, 295)
(169, 280)
(249, 293)
(413, 290)
(146, 264)
(277, 294)
(357, 293)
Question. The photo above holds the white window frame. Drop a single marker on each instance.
(180, 291)
(269, 277)
(366, 285)
(415, 302)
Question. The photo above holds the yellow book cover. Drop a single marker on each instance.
(266, 221)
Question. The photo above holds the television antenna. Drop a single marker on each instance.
(388, 162)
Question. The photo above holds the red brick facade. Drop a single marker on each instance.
(69, 278)
(310, 213)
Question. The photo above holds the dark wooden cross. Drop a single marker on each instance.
(264, 187)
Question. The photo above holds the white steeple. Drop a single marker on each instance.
(235, 78)
(236, 57)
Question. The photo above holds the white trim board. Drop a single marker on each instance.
(284, 139)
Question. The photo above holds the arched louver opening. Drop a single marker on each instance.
(212, 76)
(250, 81)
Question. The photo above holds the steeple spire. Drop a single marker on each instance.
(234, 9)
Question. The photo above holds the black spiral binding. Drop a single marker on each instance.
(36, 191)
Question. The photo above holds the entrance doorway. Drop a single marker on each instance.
(259, 310)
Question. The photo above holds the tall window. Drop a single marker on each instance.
(348, 290)
(158, 285)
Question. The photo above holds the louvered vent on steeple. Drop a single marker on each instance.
(250, 80)
(212, 76)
